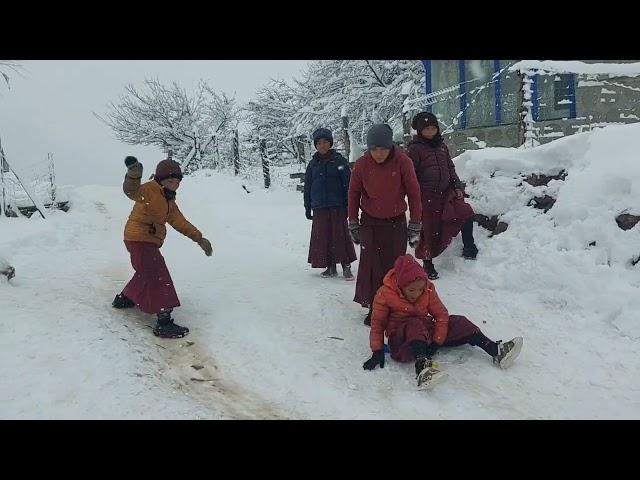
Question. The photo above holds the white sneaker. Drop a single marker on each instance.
(508, 352)
(429, 376)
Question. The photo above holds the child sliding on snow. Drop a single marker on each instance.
(408, 310)
(151, 288)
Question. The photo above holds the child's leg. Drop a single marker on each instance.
(418, 348)
(469, 249)
(151, 287)
(367, 319)
(467, 233)
(486, 344)
(426, 374)
(464, 332)
(429, 267)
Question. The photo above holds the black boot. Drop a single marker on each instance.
(367, 319)
(165, 328)
(469, 250)
(332, 271)
(122, 302)
(346, 271)
(430, 269)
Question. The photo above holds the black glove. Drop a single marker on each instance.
(134, 167)
(129, 161)
(376, 359)
(307, 213)
(413, 234)
(354, 231)
(206, 246)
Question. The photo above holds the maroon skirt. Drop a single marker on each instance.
(413, 329)
(330, 240)
(382, 241)
(151, 287)
(442, 220)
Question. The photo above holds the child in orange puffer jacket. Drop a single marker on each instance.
(408, 309)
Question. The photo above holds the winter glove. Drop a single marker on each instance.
(307, 214)
(206, 246)
(134, 167)
(376, 359)
(413, 234)
(354, 231)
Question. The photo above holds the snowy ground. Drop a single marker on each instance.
(262, 321)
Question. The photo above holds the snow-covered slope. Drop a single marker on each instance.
(278, 341)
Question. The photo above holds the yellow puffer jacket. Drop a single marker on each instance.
(151, 212)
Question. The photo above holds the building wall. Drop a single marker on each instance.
(599, 100)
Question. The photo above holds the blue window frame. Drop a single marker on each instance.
(498, 91)
(463, 95)
(427, 81)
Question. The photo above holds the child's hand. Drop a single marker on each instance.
(134, 167)
(413, 234)
(376, 359)
(206, 246)
(354, 231)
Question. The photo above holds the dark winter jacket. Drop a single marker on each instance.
(434, 168)
(326, 181)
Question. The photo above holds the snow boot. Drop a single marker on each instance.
(122, 302)
(9, 271)
(165, 328)
(332, 271)
(430, 269)
(507, 352)
(427, 374)
(470, 252)
(346, 271)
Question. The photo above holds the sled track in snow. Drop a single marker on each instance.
(185, 366)
(174, 361)
(190, 369)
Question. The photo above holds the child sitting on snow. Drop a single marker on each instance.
(408, 310)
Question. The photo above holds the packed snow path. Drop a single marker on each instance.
(275, 339)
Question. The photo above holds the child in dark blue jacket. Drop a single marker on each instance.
(326, 184)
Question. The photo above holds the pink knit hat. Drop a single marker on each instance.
(408, 270)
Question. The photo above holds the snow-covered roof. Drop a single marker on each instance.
(575, 66)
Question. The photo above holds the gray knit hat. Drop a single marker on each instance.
(379, 135)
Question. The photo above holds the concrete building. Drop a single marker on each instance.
(480, 102)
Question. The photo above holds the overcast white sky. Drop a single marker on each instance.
(50, 109)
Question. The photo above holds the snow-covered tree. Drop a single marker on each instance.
(371, 91)
(193, 127)
(368, 91)
(270, 116)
